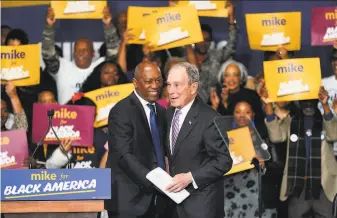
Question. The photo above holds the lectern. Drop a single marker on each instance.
(66, 193)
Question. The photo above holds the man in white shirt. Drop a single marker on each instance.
(198, 156)
(69, 76)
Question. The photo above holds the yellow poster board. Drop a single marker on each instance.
(292, 79)
(241, 149)
(78, 9)
(207, 8)
(269, 31)
(20, 64)
(106, 98)
(173, 27)
(13, 4)
(137, 22)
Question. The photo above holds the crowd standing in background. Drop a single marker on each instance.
(167, 122)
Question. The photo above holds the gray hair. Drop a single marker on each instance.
(242, 68)
(191, 70)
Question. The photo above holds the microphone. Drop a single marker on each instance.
(50, 114)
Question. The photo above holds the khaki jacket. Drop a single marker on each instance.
(279, 131)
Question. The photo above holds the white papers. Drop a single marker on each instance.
(74, 7)
(103, 112)
(203, 5)
(292, 87)
(274, 39)
(161, 179)
(14, 73)
(172, 35)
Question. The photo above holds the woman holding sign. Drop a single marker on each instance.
(241, 189)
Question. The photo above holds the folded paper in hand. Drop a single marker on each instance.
(161, 179)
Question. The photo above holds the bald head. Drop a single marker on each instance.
(143, 66)
(83, 53)
(148, 81)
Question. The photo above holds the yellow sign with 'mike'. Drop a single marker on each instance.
(106, 98)
(78, 9)
(20, 64)
(269, 31)
(173, 27)
(292, 79)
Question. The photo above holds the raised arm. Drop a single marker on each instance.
(49, 54)
(229, 50)
(20, 118)
(110, 35)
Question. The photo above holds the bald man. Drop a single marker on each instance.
(69, 75)
(136, 146)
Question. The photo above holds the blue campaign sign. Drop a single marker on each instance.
(60, 184)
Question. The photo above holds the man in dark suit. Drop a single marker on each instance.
(198, 156)
(136, 146)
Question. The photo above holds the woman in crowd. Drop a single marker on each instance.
(231, 81)
(241, 189)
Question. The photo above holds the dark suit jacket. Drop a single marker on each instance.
(132, 156)
(200, 149)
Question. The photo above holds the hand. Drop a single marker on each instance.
(224, 96)
(230, 9)
(282, 53)
(334, 105)
(50, 19)
(127, 35)
(323, 96)
(335, 44)
(231, 141)
(66, 144)
(11, 90)
(263, 93)
(29, 160)
(214, 99)
(180, 181)
(172, 3)
(106, 16)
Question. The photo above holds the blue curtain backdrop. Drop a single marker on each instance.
(32, 20)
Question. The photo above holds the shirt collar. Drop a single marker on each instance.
(143, 101)
(186, 108)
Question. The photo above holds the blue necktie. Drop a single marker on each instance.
(156, 137)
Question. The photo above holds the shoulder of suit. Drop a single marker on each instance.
(207, 111)
(123, 104)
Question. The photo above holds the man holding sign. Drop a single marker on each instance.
(69, 76)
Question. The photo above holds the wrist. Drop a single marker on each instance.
(14, 97)
(190, 177)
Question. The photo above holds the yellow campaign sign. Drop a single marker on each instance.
(78, 9)
(207, 8)
(13, 4)
(137, 22)
(269, 31)
(241, 150)
(292, 79)
(106, 98)
(173, 27)
(20, 64)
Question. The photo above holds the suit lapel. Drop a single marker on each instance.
(141, 112)
(170, 113)
(188, 125)
(161, 127)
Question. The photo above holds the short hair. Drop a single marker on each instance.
(91, 44)
(5, 27)
(17, 34)
(137, 69)
(208, 29)
(191, 70)
(242, 68)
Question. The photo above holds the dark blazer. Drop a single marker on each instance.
(200, 149)
(132, 156)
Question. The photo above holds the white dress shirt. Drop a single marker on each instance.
(146, 108)
(182, 117)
